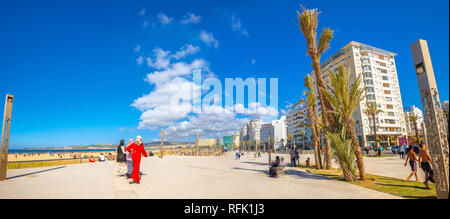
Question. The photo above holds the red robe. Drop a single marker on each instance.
(136, 151)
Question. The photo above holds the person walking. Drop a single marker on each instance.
(121, 159)
(425, 164)
(411, 156)
(136, 149)
(292, 158)
(129, 160)
(401, 151)
(237, 154)
(297, 157)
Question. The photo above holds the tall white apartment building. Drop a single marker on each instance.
(243, 133)
(379, 78)
(254, 130)
(295, 118)
(277, 130)
(413, 110)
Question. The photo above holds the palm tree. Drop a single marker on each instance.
(308, 21)
(413, 119)
(345, 98)
(372, 112)
(303, 139)
(310, 102)
(290, 136)
(343, 153)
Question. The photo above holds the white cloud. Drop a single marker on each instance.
(145, 23)
(253, 61)
(142, 12)
(191, 18)
(237, 26)
(140, 60)
(164, 19)
(137, 48)
(209, 39)
(187, 50)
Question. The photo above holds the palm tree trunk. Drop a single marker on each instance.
(328, 120)
(357, 149)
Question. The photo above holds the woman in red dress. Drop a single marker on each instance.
(136, 149)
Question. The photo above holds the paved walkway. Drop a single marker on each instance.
(178, 177)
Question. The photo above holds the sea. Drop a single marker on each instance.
(13, 151)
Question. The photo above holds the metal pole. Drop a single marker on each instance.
(5, 136)
(162, 143)
(434, 119)
(198, 137)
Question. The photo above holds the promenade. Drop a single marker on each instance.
(179, 177)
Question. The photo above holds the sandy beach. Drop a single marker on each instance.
(52, 156)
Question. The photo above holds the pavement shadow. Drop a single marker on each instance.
(304, 174)
(257, 163)
(261, 171)
(41, 171)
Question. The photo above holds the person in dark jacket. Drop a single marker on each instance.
(121, 159)
(273, 170)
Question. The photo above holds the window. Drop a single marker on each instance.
(366, 68)
(385, 84)
(368, 75)
(371, 97)
(391, 114)
(368, 82)
(388, 99)
(387, 92)
(369, 89)
(389, 106)
(385, 78)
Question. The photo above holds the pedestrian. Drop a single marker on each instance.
(297, 157)
(401, 151)
(121, 159)
(292, 158)
(307, 163)
(237, 154)
(273, 168)
(136, 149)
(259, 153)
(425, 164)
(411, 156)
(129, 160)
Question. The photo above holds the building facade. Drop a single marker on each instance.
(277, 129)
(296, 120)
(379, 79)
(413, 111)
(254, 130)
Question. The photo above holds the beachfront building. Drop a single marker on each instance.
(379, 77)
(254, 130)
(236, 140)
(207, 142)
(413, 111)
(277, 129)
(296, 121)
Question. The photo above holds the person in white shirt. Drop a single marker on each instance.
(129, 160)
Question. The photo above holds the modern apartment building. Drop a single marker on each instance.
(277, 129)
(409, 111)
(295, 118)
(379, 79)
(254, 130)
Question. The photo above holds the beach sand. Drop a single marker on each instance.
(47, 156)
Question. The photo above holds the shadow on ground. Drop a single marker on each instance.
(304, 174)
(256, 163)
(41, 171)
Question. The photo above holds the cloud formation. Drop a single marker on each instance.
(209, 39)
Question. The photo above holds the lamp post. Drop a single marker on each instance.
(5, 136)
(435, 122)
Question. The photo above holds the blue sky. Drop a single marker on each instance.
(74, 66)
